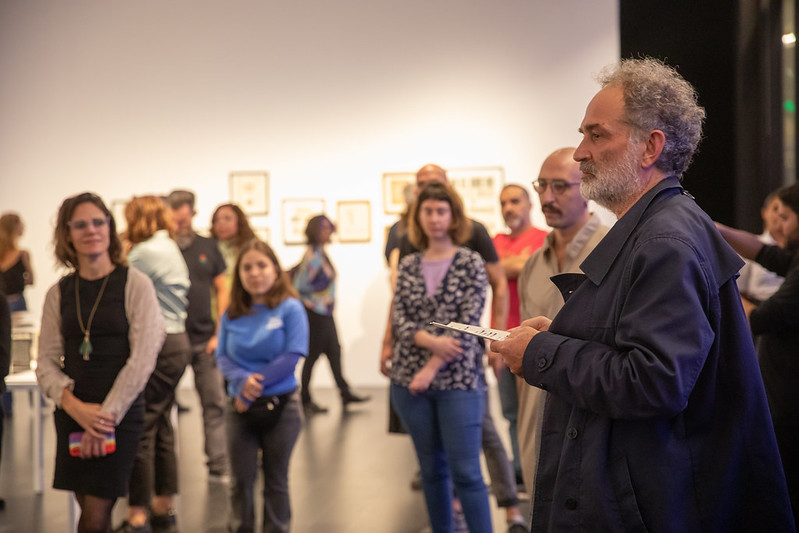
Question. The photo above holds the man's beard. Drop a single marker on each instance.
(184, 240)
(513, 221)
(615, 183)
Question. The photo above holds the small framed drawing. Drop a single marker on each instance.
(479, 188)
(296, 213)
(250, 189)
(118, 212)
(394, 184)
(262, 233)
(354, 221)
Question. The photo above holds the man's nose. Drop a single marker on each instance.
(547, 197)
(581, 154)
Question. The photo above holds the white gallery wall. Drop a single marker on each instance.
(125, 98)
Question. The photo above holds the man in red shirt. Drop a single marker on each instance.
(513, 249)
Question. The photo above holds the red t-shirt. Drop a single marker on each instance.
(526, 243)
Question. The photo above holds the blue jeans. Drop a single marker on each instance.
(16, 302)
(446, 428)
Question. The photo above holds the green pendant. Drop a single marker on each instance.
(85, 348)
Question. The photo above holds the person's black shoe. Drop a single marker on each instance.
(350, 397)
(2, 504)
(126, 527)
(164, 523)
(313, 408)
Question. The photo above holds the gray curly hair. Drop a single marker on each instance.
(656, 97)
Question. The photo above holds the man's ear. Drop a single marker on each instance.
(653, 146)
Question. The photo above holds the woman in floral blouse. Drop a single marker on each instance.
(436, 383)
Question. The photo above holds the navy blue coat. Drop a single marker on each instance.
(657, 419)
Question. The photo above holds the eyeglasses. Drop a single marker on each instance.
(83, 224)
(557, 186)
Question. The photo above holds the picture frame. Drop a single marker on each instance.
(479, 188)
(296, 212)
(250, 190)
(263, 233)
(394, 184)
(354, 221)
(117, 209)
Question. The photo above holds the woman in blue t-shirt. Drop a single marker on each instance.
(262, 336)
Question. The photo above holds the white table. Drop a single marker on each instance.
(27, 381)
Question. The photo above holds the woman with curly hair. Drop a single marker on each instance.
(100, 336)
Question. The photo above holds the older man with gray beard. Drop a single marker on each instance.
(656, 418)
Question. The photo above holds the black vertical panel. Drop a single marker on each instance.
(795, 98)
(718, 47)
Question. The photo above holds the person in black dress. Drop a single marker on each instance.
(104, 320)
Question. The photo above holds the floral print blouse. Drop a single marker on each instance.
(459, 297)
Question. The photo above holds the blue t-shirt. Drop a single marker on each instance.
(253, 344)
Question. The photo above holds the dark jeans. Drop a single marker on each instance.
(446, 428)
(155, 466)
(323, 340)
(500, 469)
(509, 399)
(276, 445)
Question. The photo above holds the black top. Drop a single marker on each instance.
(108, 333)
(393, 239)
(776, 321)
(5, 341)
(205, 262)
(13, 281)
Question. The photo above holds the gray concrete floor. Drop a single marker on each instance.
(347, 474)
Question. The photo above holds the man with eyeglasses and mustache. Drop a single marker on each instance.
(575, 233)
(656, 417)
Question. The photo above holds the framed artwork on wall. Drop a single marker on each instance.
(263, 233)
(479, 188)
(250, 190)
(118, 211)
(296, 213)
(394, 184)
(354, 221)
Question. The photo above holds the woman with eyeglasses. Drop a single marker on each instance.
(436, 374)
(101, 331)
